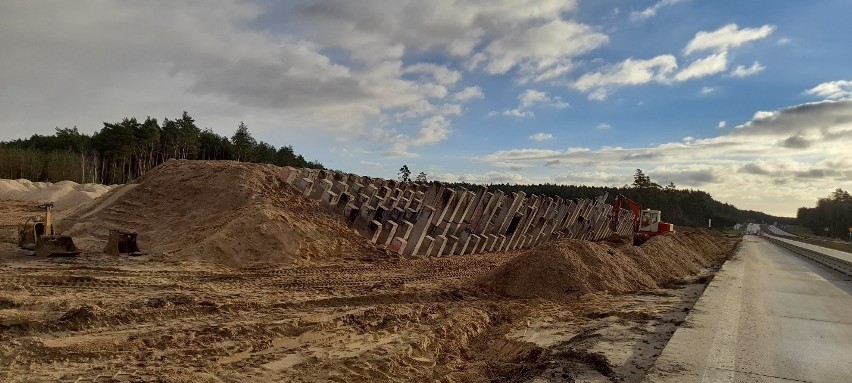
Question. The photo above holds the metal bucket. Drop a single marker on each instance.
(56, 246)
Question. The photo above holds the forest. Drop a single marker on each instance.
(124, 150)
(684, 207)
(832, 216)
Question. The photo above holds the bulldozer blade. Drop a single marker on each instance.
(56, 246)
(121, 242)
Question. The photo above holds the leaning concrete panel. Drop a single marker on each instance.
(415, 240)
(388, 231)
(508, 210)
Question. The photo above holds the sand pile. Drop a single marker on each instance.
(64, 194)
(568, 267)
(222, 211)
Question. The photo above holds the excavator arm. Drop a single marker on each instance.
(633, 206)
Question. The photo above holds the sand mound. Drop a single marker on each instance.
(569, 267)
(222, 211)
(64, 194)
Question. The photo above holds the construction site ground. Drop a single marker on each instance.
(149, 319)
(330, 311)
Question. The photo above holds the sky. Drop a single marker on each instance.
(750, 101)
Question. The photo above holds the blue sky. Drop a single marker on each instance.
(748, 100)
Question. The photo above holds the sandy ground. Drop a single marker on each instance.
(245, 281)
(64, 194)
(150, 319)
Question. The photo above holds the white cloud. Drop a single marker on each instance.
(743, 71)
(205, 59)
(652, 10)
(663, 68)
(368, 164)
(783, 41)
(454, 27)
(441, 74)
(531, 97)
(797, 150)
(540, 49)
(705, 90)
(490, 177)
(603, 126)
(833, 90)
(469, 93)
(425, 108)
(326, 66)
(703, 67)
(728, 36)
(541, 137)
(629, 72)
(721, 124)
(432, 130)
(599, 94)
(516, 113)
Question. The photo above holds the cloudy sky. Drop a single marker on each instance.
(748, 100)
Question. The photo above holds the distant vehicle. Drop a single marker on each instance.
(646, 223)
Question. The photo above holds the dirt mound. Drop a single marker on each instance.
(82, 313)
(222, 211)
(64, 195)
(571, 267)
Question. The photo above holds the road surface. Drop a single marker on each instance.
(769, 315)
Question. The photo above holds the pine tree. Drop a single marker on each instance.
(243, 142)
(404, 174)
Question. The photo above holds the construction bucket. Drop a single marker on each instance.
(56, 246)
(121, 242)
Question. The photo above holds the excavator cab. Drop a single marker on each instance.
(649, 220)
(36, 235)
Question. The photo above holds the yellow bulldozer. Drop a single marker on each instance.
(36, 235)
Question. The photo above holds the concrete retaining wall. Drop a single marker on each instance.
(434, 220)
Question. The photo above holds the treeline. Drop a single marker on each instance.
(125, 150)
(832, 216)
(684, 207)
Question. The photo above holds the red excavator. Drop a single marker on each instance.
(646, 223)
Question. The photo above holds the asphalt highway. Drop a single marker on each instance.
(769, 315)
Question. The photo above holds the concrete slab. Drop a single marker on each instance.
(769, 315)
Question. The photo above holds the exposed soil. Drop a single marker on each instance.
(239, 214)
(64, 195)
(244, 281)
(146, 319)
(576, 267)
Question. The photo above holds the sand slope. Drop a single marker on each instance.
(20, 199)
(64, 194)
(564, 268)
(234, 213)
